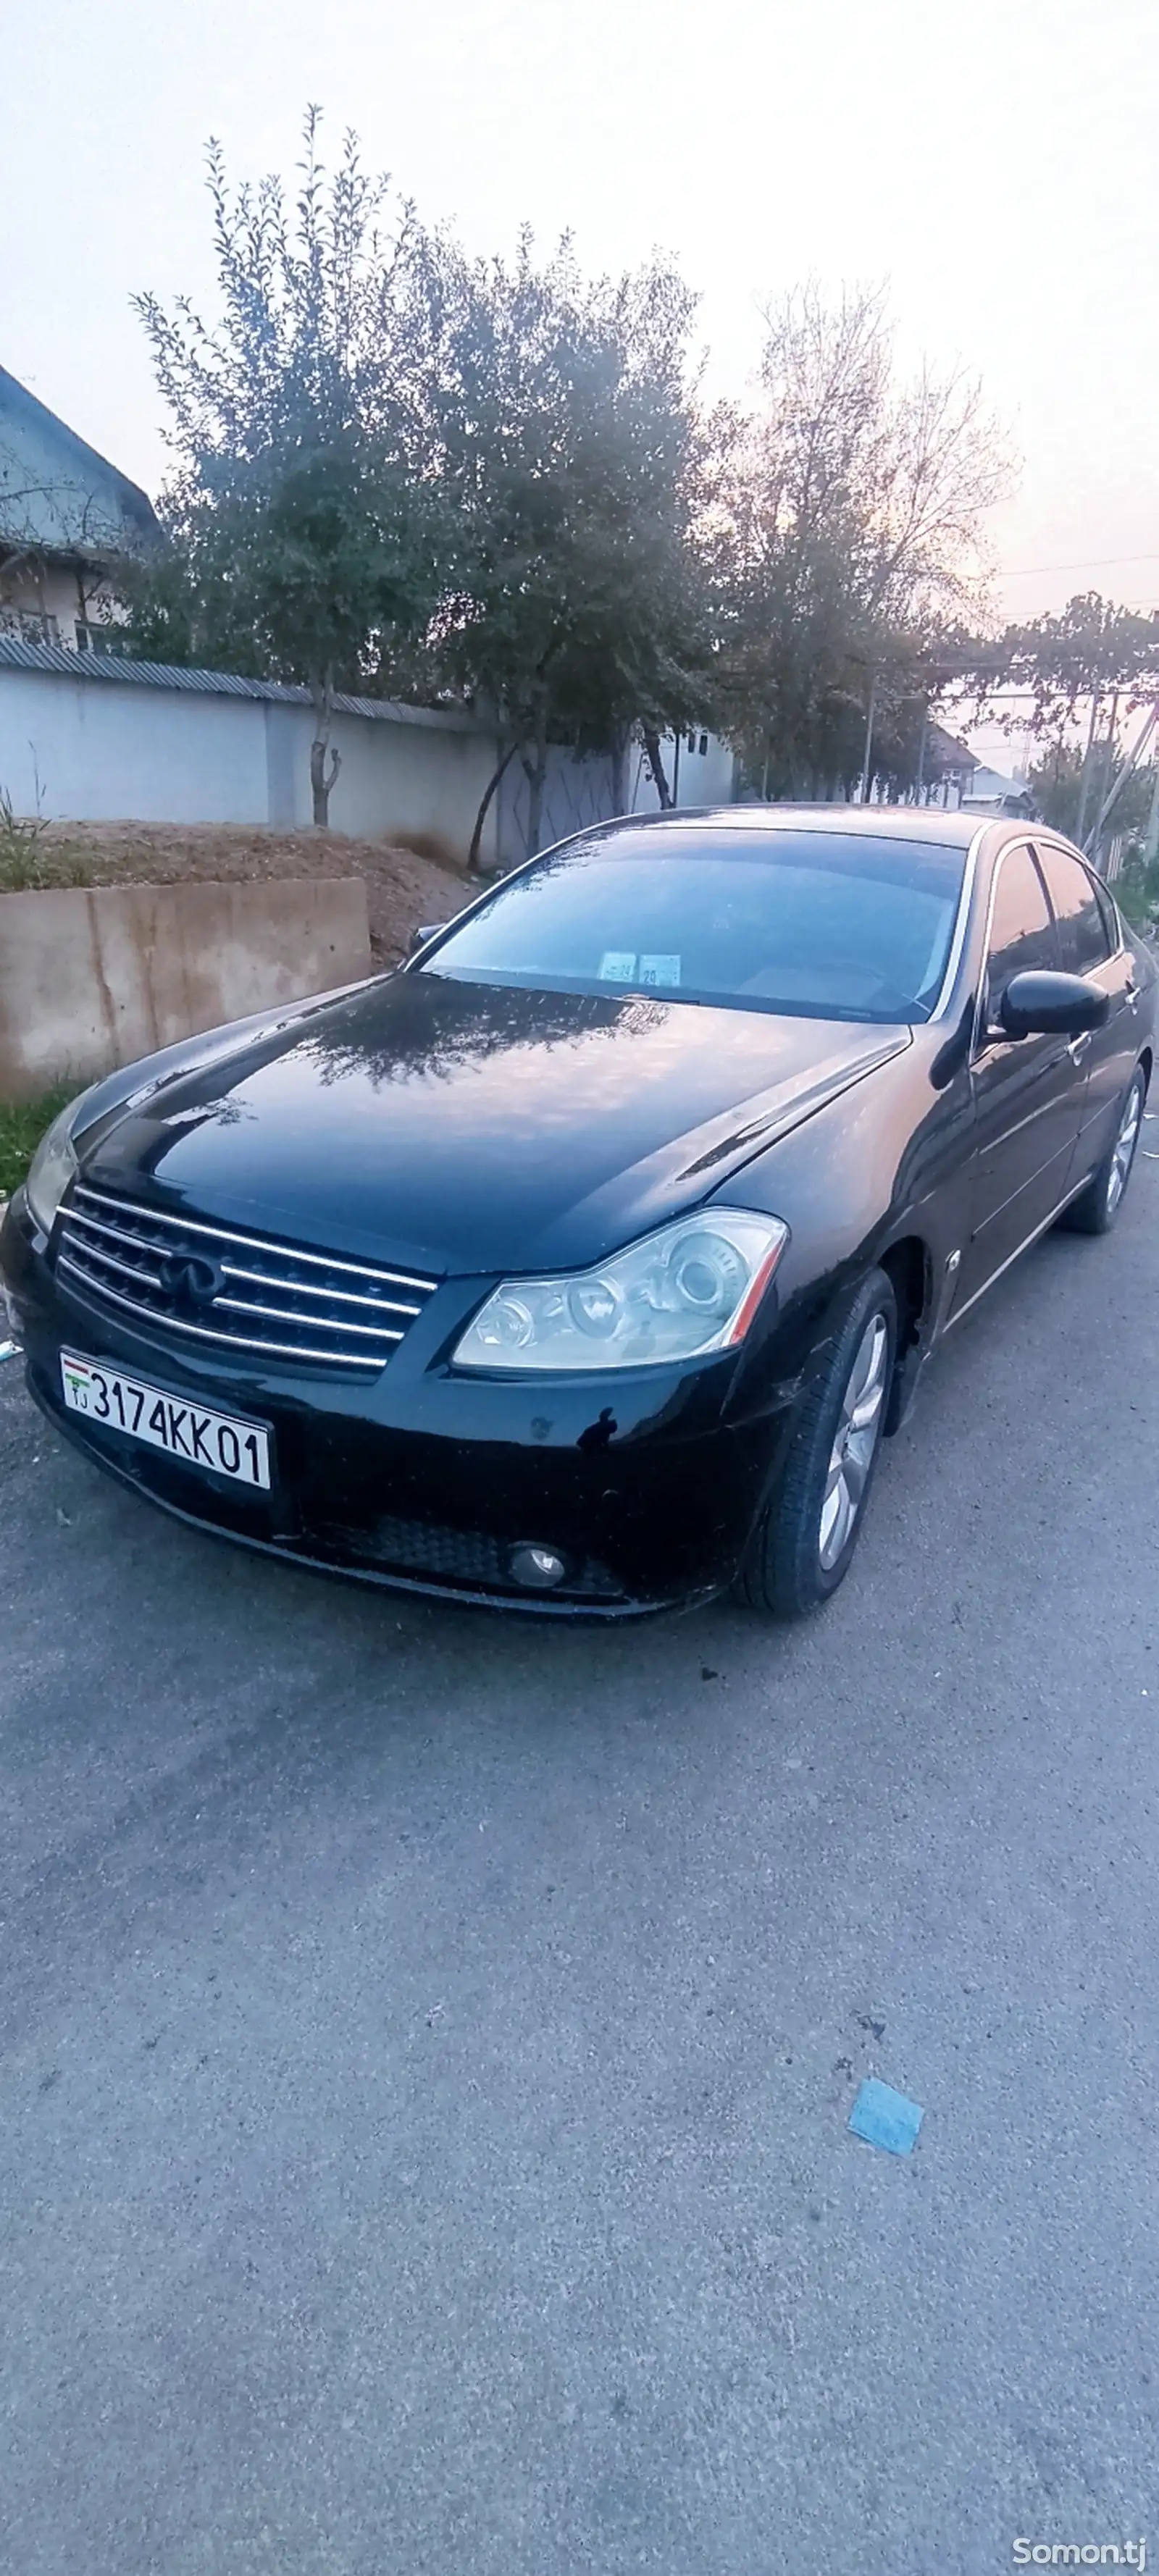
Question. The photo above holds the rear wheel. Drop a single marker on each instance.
(1099, 1205)
(803, 1545)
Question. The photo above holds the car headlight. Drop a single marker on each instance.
(689, 1289)
(53, 1166)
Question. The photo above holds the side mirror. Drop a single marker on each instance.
(419, 938)
(1040, 1003)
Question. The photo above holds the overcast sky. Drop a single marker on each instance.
(994, 163)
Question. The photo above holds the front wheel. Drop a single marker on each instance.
(1099, 1205)
(803, 1545)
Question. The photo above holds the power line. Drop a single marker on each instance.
(1085, 563)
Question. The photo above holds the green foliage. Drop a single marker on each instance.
(28, 862)
(1091, 650)
(1055, 782)
(399, 468)
(303, 523)
(22, 1124)
(568, 442)
(1137, 889)
(20, 837)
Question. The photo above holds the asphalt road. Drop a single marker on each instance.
(428, 2038)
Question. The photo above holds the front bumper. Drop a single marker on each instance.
(647, 1485)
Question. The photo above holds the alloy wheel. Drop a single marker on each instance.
(1124, 1149)
(856, 1438)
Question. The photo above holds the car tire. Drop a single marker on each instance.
(1097, 1209)
(803, 1544)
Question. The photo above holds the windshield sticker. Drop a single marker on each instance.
(659, 970)
(618, 966)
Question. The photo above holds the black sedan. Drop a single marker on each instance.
(584, 1262)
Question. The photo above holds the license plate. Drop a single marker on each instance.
(217, 1441)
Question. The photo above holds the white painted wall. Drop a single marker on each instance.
(580, 792)
(101, 750)
(88, 750)
(404, 777)
(85, 749)
(699, 777)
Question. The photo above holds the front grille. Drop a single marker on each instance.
(240, 1291)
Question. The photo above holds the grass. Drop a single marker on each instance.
(22, 1124)
(27, 862)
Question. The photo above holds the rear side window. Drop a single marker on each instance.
(1022, 934)
(1110, 918)
(1082, 931)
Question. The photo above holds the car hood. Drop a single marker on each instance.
(471, 1128)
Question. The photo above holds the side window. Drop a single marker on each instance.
(1022, 933)
(1082, 934)
(1111, 923)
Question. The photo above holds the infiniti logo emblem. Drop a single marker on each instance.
(191, 1278)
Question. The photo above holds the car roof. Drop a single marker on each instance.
(928, 823)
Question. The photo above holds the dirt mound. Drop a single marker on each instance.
(403, 888)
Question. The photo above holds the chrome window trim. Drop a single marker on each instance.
(962, 924)
(1022, 842)
(1067, 850)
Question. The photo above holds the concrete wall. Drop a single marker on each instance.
(98, 750)
(78, 746)
(89, 750)
(580, 792)
(404, 776)
(94, 977)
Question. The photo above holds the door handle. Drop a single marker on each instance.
(1078, 1046)
(1132, 992)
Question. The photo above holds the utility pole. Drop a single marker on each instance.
(1106, 772)
(921, 783)
(1151, 841)
(1119, 781)
(1084, 791)
(870, 713)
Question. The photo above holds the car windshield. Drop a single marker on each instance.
(823, 925)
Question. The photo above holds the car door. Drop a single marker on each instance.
(1027, 1091)
(1091, 944)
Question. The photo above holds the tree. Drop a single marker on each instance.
(847, 540)
(1082, 670)
(569, 451)
(1091, 651)
(301, 513)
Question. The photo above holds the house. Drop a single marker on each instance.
(66, 518)
(947, 767)
(992, 791)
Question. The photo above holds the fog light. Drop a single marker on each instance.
(539, 1568)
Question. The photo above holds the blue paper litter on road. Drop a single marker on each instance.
(885, 2118)
(7, 1350)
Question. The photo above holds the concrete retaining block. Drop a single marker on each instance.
(94, 976)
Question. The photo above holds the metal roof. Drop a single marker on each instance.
(19, 653)
(57, 493)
